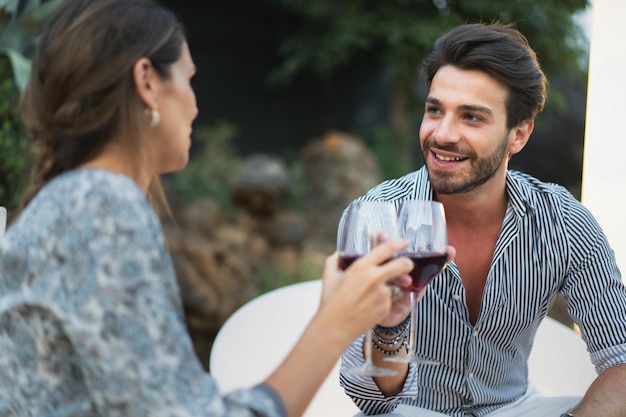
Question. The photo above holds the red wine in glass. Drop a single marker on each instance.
(346, 260)
(426, 265)
(423, 224)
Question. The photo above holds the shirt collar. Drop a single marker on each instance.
(519, 194)
(518, 191)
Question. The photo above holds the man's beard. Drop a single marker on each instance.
(443, 182)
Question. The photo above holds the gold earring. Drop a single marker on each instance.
(155, 116)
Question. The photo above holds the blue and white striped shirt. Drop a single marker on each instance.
(549, 243)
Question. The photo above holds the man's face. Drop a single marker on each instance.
(463, 134)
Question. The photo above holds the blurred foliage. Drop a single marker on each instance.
(269, 278)
(297, 184)
(378, 139)
(212, 164)
(20, 21)
(13, 147)
(395, 35)
(398, 34)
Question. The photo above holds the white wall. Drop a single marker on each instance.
(604, 163)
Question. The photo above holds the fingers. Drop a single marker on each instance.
(361, 296)
(403, 281)
(330, 275)
(451, 252)
(383, 255)
(331, 262)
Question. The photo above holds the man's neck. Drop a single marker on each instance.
(478, 207)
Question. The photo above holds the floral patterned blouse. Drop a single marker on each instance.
(91, 321)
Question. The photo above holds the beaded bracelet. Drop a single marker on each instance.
(388, 342)
(389, 352)
(386, 345)
(394, 330)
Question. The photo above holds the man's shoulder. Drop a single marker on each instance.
(529, 186)
(546, 199)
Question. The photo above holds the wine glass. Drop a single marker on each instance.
(423, 224)
(365, 225)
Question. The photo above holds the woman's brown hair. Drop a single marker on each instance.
(81, 92)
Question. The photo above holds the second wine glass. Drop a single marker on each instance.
(365, 225)
(423, 224)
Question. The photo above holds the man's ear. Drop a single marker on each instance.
(146, 82)
(520, 135)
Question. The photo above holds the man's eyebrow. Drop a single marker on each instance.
(464, 107)
(476, 108)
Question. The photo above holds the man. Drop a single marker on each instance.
(519, 242)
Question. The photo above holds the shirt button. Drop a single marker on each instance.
(456, 297)
(471, 375)
(475, 333)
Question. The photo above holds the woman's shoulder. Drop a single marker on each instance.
(88, 201)
(85, 189)
(89, 185)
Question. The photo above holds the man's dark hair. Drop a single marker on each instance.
(500, 51)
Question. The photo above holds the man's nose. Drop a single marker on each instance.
(447, 131)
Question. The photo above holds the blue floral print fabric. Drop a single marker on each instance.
(91, 321)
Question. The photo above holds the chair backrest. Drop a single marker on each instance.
(3, 220)
(559, 363)
(260, 334)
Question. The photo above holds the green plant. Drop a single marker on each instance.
(269, 278)
(13, 146)
(19, 25)
(380, 139)
(20, 22)
(212, 165)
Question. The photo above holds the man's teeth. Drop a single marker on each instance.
(447, 158)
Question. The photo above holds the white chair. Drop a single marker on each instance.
(3, 220)
(258, 336)
(559, 363)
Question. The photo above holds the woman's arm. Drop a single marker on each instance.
(352, 303)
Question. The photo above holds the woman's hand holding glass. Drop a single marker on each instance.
(365, 226)
(360, 296)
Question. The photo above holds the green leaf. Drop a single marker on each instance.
(22, 32)
(21, 68)
(10, 6)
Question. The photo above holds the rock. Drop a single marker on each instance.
(337, 168)
(214, 281)
(202, 216)
(262, 185)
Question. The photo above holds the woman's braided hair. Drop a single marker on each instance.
(81, 94)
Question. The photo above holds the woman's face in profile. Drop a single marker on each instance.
(176, 102)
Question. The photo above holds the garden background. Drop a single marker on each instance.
(303, 106)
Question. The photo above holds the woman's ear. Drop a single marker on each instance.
(147, 82)
(521, 134)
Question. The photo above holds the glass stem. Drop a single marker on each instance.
(413, 324)
(415, 299)
(367, 347)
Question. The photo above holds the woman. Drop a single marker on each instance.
(91, 322)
